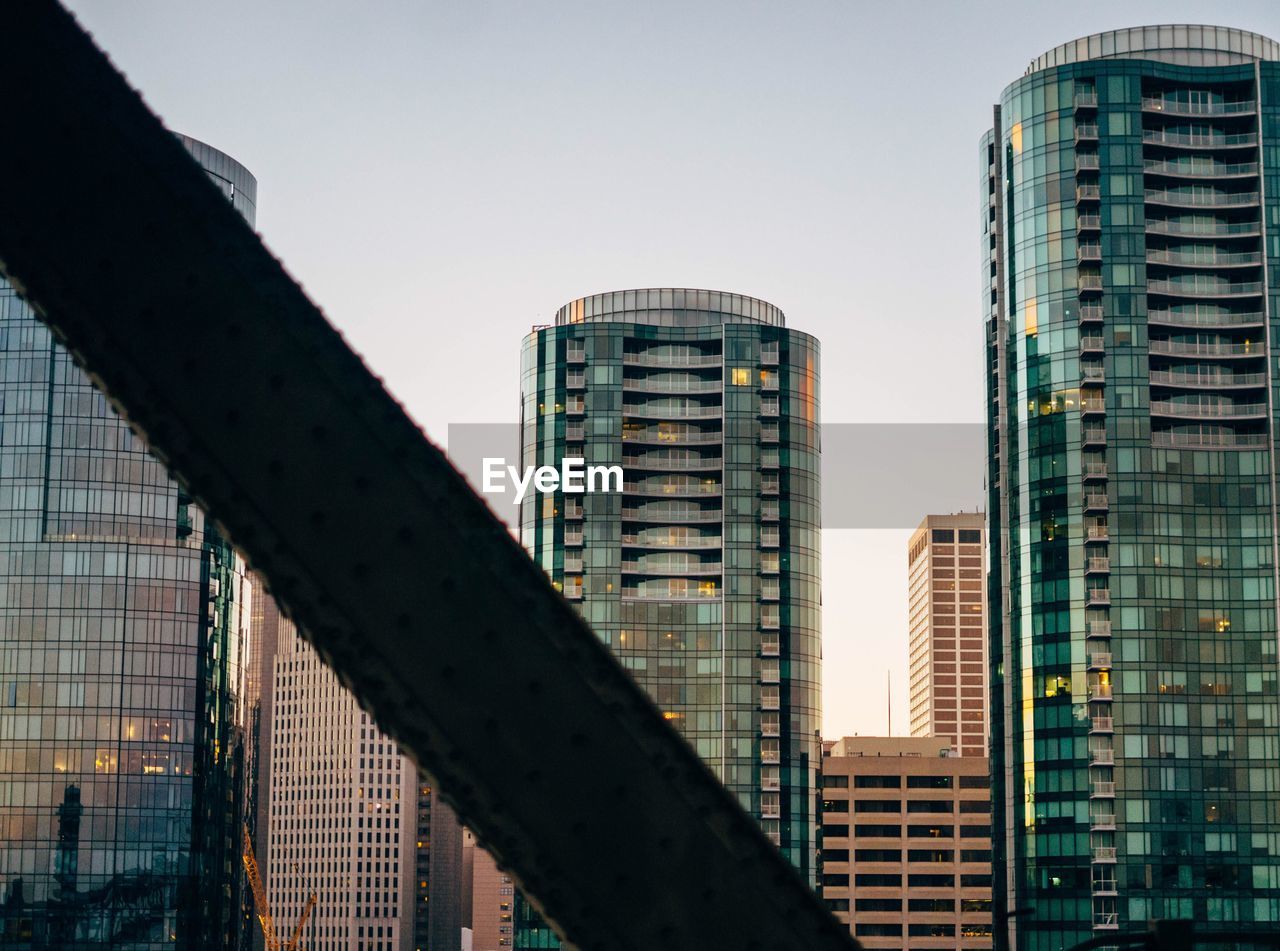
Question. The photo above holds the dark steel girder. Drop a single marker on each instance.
(395, 570)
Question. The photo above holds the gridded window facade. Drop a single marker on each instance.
(1128, 219)
(124, 619)
(703, 574)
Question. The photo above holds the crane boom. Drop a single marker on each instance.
(296, 938)
(260, 898)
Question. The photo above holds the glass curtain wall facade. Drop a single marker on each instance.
(123, 621)
(1129, 213)
(702, 576)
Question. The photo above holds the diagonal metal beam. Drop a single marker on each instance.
(396, 571)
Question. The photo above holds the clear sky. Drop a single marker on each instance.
(442, 175)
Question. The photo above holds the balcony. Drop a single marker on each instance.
(1086, 100)
(1101, 692)
(575, 355)
(769, 726)
(1090, 313)
(656, 385)
(575, 380)
(1106, 921)
(769, 538)
(770, 755)
(770, 590)
(769, 407)
(1175, 107)
(1210, 316)
(688, 411)
(1205, 258)
(1093, 436)
(665, 436)
(1086, 162)
(1203, 229)
(576, 406)
(575, 433)
(772, 810)
(656, 462)
(769, 485)
(1088, 193)
(1102, 790)
(1208, 380)
(1088, 222)
(674, 517)
(573, 566)
(769, 698)
(1104, 887)
(770, 674)
(1096, 532)
(769, 355)
(1089, 283)
(1097, 564)
(1194, 140)
(769, 619)
(672, 361)
(1215, 410)
(573, 510)
(1205, 288)
(1102, 822)
(1200, 168)
(770, 647)
(573, 539)
(1171, 440)
(1092, 405)
(1091, 252)
(1183, 348)
(1086, 132)
(1100, 660)
(769, 432)
(695, 569)
(1100, 757)
(1102, 725)
(678, 491)
(1096, 502)
(1206, 198)
(1092, 373)
(661, 538)
(1098, 629)
(1093, 471)
(1098, 596)
(573, 592)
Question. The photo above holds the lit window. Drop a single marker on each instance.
(739, 376)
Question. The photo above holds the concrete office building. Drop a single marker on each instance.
(343, 804)
(947, 582)
(1130, 195)
(123, 625)
(906, 843)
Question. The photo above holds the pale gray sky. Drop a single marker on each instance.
(442, 175)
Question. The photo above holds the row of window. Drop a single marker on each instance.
(913, 782)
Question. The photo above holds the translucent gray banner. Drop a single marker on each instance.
(874, 475)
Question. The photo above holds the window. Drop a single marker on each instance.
(877, 782)
(836, 904)
(975, 832)
(835, 832)
(876, 805)
(835, 881)
(975, 782)
(931, 881)
(930, 904)
(970, 536)
(975, 881)
(929, 805)
(739, 376)
(835, 855)
(931, 832)
(877, 855)
(878, 904)
(976, 904)
(866, 930)
(881, 832)
(928, 782)
(944, 535)
(879, 881)
(835, 805)
(977, 805)
(975, 855)
(931, 931)
(930, 855)
(835, 782)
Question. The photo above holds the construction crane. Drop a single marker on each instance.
(264, 910)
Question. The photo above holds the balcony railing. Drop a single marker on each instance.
(1094, 470)
(1205, 288)
(770, 726)
(1093, 405)
(1086, 100)
(1098, 629)
(1093, 435)
(1086, 131)
(1196, 316)
(575, 355)
(1171, 440)
(672, 361)
(658, 463)
(1176, 107)
(1086, 161)
(1208, 410)
(674, 491)
(1181, 348)
(1201, 169)
(633, 566)
(689, 411)
(1096, 502)
(1099, 691)
(1098, 564)
(1102, 725)
(576, 406)
(1089, 252)
(1196, 140)
(1102, 790)
(573, 539)
(661, 540)
(651, 385)
(1100, 660)
(1102, 757)
(1205, 258)
(1099, 595)
(1170, 378)
(686, 437)
(1089, 282)
(1102, 821)
(1088, 192)
(1096, 533)
(575, 433)
(641, 514)
(1090, 312)
(1088, 222)
(769, 647)
(1203, 229)
(1199, 199)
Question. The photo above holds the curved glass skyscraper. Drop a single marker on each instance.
(702, 575)
(122, 620)
(1130, 194)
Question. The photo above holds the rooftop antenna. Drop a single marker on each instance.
(888, 700)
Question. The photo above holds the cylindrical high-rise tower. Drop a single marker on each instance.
(122, 619)
(702, 575)
(1130, 209)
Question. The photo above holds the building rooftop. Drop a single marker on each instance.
(914, 746)
(1181, 44)
(670, 307)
